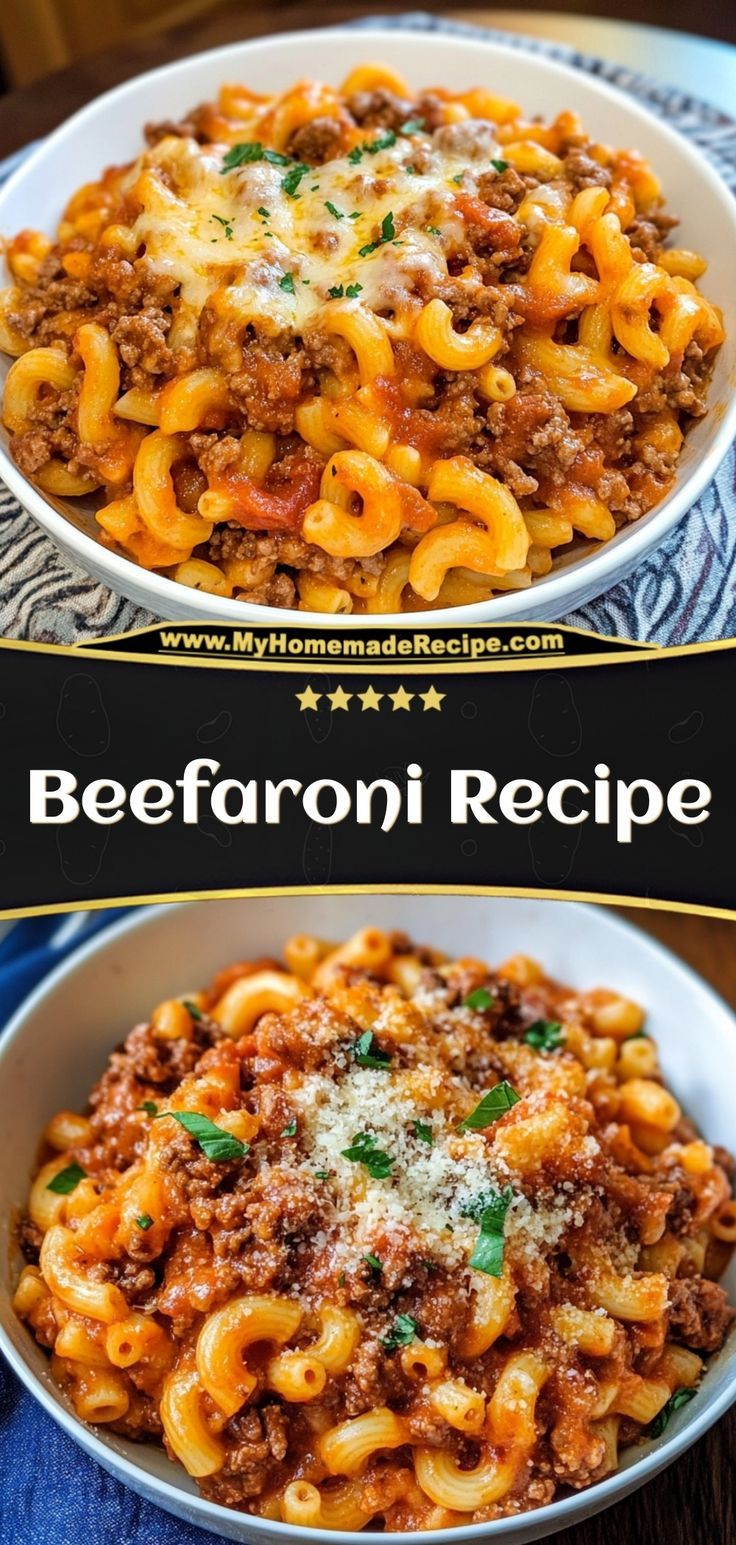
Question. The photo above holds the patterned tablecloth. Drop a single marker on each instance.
(686, 591)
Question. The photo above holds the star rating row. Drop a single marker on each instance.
(371, 700)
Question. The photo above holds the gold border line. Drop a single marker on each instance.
(694, 909)
(305, 664)
(377, 627)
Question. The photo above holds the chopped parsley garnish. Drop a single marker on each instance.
(265, 212)
(384, 142)
(336, 292)
(290, 1130)
(355, 155)
(363, 1151)
(341, 1280)
(249, 151)
(192, 1009)
(353, 290)
(339, 214)
(144, 1222)
(355, 214)
(494, 1104)
(215, 1142)
(368, 1056)
(401, 1334)
(500, 166)
(66, 1180)
(387, 234)
(544, 1035)
(150, 1108)
(680, 1398)
(373, 1261)
(226, 226)
(434, 230)
(291, 181)
(423, 1131)
(479, 1001)
(286, 282)
(412, 126)
(322, 1174)
(490, 1212)
(458, 178)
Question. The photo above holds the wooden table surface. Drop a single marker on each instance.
(692, 1503)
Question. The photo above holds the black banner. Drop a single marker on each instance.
(525, 758)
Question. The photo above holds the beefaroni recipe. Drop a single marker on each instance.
(380, 1238)
(359, 350)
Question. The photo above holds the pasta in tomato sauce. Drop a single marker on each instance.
(359, 349)
(373, 1238)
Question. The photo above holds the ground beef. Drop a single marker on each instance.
(531, 431)
(373, 1379)
(699, 1313)
(183, 128)
(141, 340)
(381, 108)
(582, 171)
(504, 190)
(275, 375)
(259, 1438)
(29, 1240)
(473, 139)
(162, 1061)
(135, 1281)
(316, 141)
(647, 236)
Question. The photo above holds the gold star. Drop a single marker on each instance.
(370, 698)
(401, 698)
(338, 699)
(432, 699)
(307, 699)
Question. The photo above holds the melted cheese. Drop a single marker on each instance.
(208, 230)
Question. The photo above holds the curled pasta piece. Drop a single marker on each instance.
(458, 481)
(644, 286)
(12, 341)
(552, 289)
(344, 1449)
(193, 400)
(364, 332)
(374, 77)
(435, 333)
(338, 1337)
(99, 1394)
(187, 1432)
(61, 1264)
(298, 1376)
(511, 1410)
(464, 1491)
(35, 369)
(155, 495)
(491, 1307)
(340, 1507)
(251, 996)
(458, 545)
(329, 522)
(583, 381)
(228, 1332)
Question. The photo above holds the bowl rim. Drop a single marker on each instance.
(606, 564)
(205, 1514)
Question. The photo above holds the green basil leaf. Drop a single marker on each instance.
(67, 1179)
(215, 1142)
(494, 1104)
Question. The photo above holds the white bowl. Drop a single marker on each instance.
(110, 130)
(57, 1045)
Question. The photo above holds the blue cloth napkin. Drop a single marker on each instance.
(51, 1493)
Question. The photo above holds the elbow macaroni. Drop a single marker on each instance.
(326, 357)
(342, 1276)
